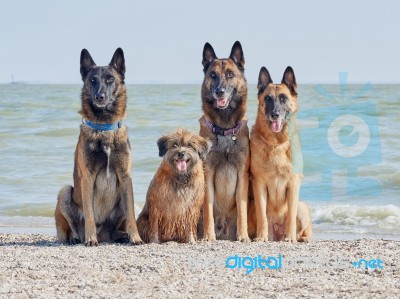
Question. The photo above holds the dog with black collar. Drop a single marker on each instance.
(224, 103)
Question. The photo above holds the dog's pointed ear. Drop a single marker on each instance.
(162, 144)
(237, 55)
(87, 63)
(208, 56)
(205, 146)
(264, 78)
(118, 62)
(290, 80)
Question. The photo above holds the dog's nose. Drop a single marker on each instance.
(180, 155)
(220, 91)
(274, 115)
(100, 96)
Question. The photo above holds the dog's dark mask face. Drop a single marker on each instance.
(223, 77)
(102, 87)
(183, 150)
(277, 101)
(101, 82)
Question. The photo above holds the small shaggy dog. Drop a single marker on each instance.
(176, 193)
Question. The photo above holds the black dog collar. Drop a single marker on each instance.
(224, 132)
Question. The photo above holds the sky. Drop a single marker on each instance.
(41, 41)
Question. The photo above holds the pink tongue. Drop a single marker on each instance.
(221, 102)
(276, 126)
(181, 165)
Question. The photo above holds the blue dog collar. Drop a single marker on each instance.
(102, 127)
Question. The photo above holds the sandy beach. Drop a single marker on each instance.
(36, 266)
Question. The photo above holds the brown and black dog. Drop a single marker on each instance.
(100, 206)
(176, 193)
(224, 100)
(275, 149)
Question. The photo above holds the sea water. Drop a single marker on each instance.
(350, 150)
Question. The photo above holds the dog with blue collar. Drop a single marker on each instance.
(100, 207)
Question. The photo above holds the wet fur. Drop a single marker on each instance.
(174, 198)
(228, 162)
(100, 207)
(275, 184)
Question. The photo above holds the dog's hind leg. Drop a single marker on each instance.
(119, 234)
(143, 224)
(109, 232)
(304, 224)
(65, 216)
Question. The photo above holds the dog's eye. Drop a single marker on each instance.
(213, 75)
(93, 81)
(110, 80)
(190, 145)
(176, 145)
(268, 98)
(230, 74)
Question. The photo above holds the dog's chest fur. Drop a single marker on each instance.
(225, 149)
(106, 154)
(109, 150)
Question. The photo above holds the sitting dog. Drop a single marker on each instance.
(176, 193)
(224, 104)
(100, 208)
(274, 147)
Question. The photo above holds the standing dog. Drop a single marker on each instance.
(224, 99)
(176, 193)
(100, 205)
(275, 182)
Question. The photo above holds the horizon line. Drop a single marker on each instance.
(160, 82)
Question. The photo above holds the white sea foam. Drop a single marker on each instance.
(365, 218)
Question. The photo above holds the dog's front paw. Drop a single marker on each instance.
(262, 238)
(135, 240)
(74, 241)
(290, 239)
(91, 241)
(304, 239)
(244, 239)
(209, 237)
(190, 239)
(155, 240)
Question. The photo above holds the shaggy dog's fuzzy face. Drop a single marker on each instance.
(182, 150)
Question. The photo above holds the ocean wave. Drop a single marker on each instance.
(386, 217)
